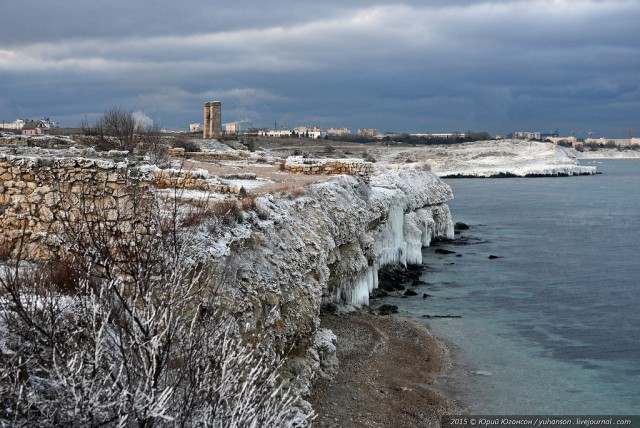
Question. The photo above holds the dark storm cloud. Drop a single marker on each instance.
(495, 66)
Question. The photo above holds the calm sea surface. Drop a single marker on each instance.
(553, 325)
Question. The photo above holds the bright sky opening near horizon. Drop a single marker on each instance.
(403, 66)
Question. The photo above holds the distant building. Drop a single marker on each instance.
(49, 123)
(527, 135)
(44, 123)
(231, 128)
(368, 132)
(441, 135)
(275, 132)
(195, 127)
(16, 124)
(312, 132)
(556, 139)
(338, 132)
(35, 127)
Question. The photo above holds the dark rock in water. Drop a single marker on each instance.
(386, 286)
(493, 257)
(392, 278)
(410, 293)
(418, 282)
(378, 293)
(458, 255)
(387, 309)
(441, 316)
(425, 295)
(443, 251)
(461, 226)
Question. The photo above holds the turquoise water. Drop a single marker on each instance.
(553, 325)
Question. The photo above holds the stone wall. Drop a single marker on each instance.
(38, 194)
(300, 165)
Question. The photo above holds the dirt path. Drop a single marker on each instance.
(281, 180)
(387, 368)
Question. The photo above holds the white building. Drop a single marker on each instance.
(48, 123)
(195, 127)
(338, 132)
(556, 140)
(231, 128)
(312, 132)
(274, 132)
(446, 135)
(368, 132)
(16, 124)
(527, 135)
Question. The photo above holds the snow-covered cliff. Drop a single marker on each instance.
(500, 158)
(324, 243)
(508, 158)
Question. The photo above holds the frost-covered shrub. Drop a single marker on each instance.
(130, 334)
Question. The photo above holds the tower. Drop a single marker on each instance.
(212, 120)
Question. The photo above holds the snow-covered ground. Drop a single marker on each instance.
(495, 159)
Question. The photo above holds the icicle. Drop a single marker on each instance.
(394, 247)
(413, 238)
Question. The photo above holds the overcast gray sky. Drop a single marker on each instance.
(415, 66)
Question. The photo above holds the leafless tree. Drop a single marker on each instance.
(115, 130)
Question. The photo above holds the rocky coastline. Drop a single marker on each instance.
(388, 374)
(336, 243)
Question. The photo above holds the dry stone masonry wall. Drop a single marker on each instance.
(300, 165)
(36, 192)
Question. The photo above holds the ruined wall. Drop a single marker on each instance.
(300, 165)
(38, 193)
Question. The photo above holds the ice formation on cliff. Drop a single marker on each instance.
(284, 258)
(410, 206)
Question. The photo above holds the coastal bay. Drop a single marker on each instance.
(549, 327)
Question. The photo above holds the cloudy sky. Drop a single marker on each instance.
(409, 65)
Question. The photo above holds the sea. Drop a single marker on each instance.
(552, 325)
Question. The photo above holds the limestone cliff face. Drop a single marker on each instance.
(292, 254)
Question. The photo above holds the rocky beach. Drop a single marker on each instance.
(387, 375)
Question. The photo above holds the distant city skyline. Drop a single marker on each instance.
(484, 65)
(243, 125)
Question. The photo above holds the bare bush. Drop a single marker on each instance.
(116, 129)
(128, 330)
(153, 145)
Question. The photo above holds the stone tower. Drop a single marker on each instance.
(212, 120)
